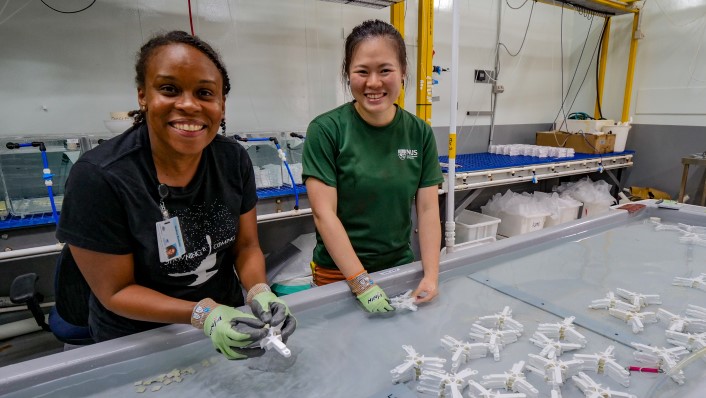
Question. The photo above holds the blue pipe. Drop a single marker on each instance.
(284, 160)
(47, 176)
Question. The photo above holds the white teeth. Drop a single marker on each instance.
(374, 96)
(188, 127)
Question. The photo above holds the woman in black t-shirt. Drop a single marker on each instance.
(159, 217)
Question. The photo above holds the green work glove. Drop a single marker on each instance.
(234, 333)
(374, 299)
(274, 311)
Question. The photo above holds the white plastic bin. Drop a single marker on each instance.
(594, 208)
(621, 136)
(566, 214)
(518, 224)
(472, 226)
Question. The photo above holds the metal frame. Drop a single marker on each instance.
(425, 27)
(397, 20)
(511, 175)
(607, 9)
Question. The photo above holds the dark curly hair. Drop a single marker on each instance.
(174, 37)
(370, 29)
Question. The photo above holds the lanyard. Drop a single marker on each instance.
(163, 191)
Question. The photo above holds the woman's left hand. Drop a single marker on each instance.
(426, 291)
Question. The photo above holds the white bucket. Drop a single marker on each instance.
(621, 136)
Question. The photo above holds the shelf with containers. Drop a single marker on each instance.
(477, 171)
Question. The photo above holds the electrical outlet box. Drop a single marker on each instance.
(484, 75)
(498, 88)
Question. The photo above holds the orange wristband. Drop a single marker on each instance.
(350, 278)
(360, 283)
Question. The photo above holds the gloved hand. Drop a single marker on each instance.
(234, 333)
(274, 311)
(374, 299)
(368, 293)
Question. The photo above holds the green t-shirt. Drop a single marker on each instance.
(376, 172)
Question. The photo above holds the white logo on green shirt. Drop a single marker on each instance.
(407, 154)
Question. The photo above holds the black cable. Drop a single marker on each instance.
(561, 66)
(69, 12)
(523, 39)
(586, 74)
(598, 62)
(515, 8)
(565, 97)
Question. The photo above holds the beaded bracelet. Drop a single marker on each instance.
(201, 311)
(255, 290)
(359, 282)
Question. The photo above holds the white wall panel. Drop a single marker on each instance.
(671, 58)
(283, 57)
(532, 79)
(671, 101)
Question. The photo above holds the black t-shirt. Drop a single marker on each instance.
(111, 205)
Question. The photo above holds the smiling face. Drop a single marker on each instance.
(183, 95)
(375, 79)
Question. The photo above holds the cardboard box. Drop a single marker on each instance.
(589, 126)
(582, 143)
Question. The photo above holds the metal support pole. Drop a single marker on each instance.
(450, 230)
(424, 63)
(602, 67)
(631, 68)
(397, 20)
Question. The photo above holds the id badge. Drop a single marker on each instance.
(169, 240)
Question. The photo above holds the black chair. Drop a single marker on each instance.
(23, 291)
(68, 319)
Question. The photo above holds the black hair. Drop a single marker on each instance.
(174, 37)
(370, 29)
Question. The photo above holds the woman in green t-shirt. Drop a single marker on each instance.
(365, 163)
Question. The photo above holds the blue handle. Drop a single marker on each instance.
(47, 176)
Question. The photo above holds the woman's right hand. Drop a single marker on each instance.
(234, 333)
(374, 299)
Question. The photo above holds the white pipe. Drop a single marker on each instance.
(494, 96)
(283, 214)
(19, 328)
(450, 233)
(17, 308)
(32, 251)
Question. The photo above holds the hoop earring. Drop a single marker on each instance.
(223, 126)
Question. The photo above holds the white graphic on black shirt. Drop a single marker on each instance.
(205, 270)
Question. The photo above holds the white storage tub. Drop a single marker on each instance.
(518, 224)
(566, 214)
(594, 208)
(472, 226)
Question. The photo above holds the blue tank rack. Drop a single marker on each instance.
(284, 190)
(30, 220)
(33, 220)
(489, 161)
